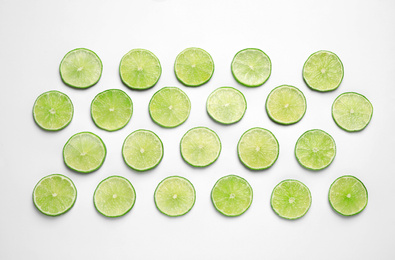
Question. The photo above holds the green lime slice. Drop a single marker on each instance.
(169, 107)
(194, 67)
(114, 196)
(251, 67)
(352, 111)
(226, 105)
(348, 196)
(291, 199)
(258, 148)
(81, 68)
(84, 152)
(315, 149)
(323, 71)
(231, 195)
(175, 196)
(54, 195)
(53, 110)
(200, 146)
(111, 109)
(286, 105)
(142, 150)
(140, 69)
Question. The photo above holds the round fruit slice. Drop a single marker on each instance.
(53, 110)
(169, 107)
(352, 111)
(251, 67)
(54, 195)
(231, 195)
(226, 105)
(142, 150)
(175, 196)
(140, 69)
(84, 152)
(81, 68)
(114, 196)
(291, 199)
(258, 148)
(194, 67)
(323, 71)
(112, 109)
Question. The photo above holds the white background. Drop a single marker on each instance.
(34, 37)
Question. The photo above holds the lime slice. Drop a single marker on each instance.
(194, 67)
(169, 107)
(175, 196)
(323, 71)
(112, 109)
(53, 110)
(231, 195)
(251, 67)
(200, 146)
(348, 196)
(291, 199)
(142, 150)
(258, 148)
(226, 105)
(81, 68)
(352, 111)
(84, 152)
(54, 195)
(286, 105)
(140, 69)
(315, 149)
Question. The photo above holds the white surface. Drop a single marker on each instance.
(35, 35)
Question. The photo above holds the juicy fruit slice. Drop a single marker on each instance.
(140, 69)
(84, 152)
(251, 67)
(81, 68)
(175, 196)
(194, 67)
(226, 105)
(231, 195)
(323, 71)
(111, 109)
(54, 195)
(53, 110)
(352, 111)
(169, 107)
(114, 196)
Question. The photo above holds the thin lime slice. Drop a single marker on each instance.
(142, 150)
(315, 149)
(169, 107)
(291, 199)
(175, 196)
(258, 148)
(352, 111)
(286, 105)
(231, 195)
(111, 109)
(226, 105)
(81, 68)
(54, 195)
(140, 69)
(53, 110)
(114, 196)
(348, 196)
(194, 67)
(323, 71)
(251, 67)
(200, 146)
(84, 152)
